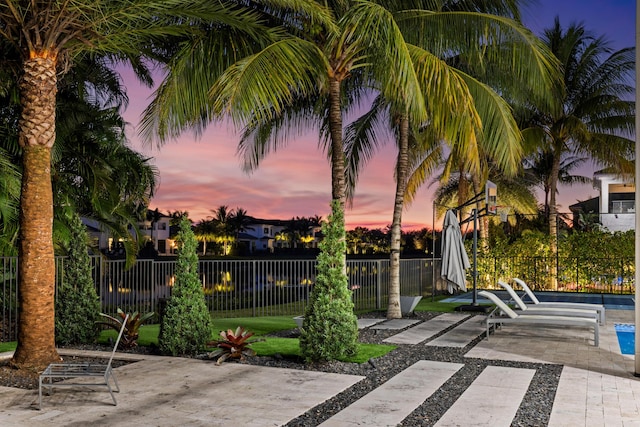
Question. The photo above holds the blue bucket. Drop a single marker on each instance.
(626, 337)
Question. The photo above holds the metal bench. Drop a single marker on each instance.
(81, 370)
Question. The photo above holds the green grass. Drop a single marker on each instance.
(8, 346)
(260, 326)
(147, 335)
(426, 304)
(289, 347)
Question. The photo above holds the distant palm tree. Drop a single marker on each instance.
(154, 216)
(594, 115)
(239, 221)
(538, 171)
(176, 217)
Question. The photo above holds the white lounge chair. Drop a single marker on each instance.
(536, 319)
(598, 307)
(81, 370)
(529, 309)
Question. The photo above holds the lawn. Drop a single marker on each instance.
(426, 304)
(260, 326)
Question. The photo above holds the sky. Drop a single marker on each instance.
(199, 175)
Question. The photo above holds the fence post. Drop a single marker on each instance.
(255, 287)
(379, 286)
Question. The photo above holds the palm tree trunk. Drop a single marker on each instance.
(36, 328)
(338, 182)
(337, 150)
(394, 311)
(553, 224)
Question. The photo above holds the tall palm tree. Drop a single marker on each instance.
(477, 120)
(94, 172)
(48, 37)
(594, 116)
(298, 80)
(321, 68)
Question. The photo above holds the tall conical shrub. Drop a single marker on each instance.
(186, 324)
(77, 304)
(330, 328)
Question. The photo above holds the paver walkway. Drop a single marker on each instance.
(168, 391)
(390, 403)
(366, 322)
(596, 387)
(462, 334)
(425, 330)
(492, 400)
(395, 324)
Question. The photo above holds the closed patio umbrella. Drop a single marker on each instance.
(454, 256)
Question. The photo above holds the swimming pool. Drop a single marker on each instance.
(610, 301)
(626, 337)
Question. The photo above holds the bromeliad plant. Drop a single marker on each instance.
(132, 329)
(234, 345)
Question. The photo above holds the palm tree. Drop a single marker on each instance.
(473, 121)
(594, 116)
(48, 37)
(9, 200)
(298, 80)
(205, 231)
(153, 216)
(538, 167)
(239, 221)
(94, 172)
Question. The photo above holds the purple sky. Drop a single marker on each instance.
(199, 176)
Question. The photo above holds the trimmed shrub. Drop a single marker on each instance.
(330, 328)
(186, 323)
(77, 304)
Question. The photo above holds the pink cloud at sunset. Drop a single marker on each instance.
(199, 176)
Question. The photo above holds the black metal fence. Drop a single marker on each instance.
(243, 288)
(232, 288)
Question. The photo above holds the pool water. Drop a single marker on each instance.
(626, 337)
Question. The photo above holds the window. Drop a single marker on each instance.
(266, 231)
(623, 206)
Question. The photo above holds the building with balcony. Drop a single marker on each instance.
(616, 204)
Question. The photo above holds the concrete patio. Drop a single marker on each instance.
(596, 388)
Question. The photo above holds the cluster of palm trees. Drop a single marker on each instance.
(461, 87)
(223, 227)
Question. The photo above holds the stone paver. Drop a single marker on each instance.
(395, 324)
(181, 392)
(492, 400)
(597, 386)
(462, 334)
(390, 403)
(365, 323)
(426, 330)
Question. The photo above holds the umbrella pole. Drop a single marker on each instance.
(475, 255)
(474, 306)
